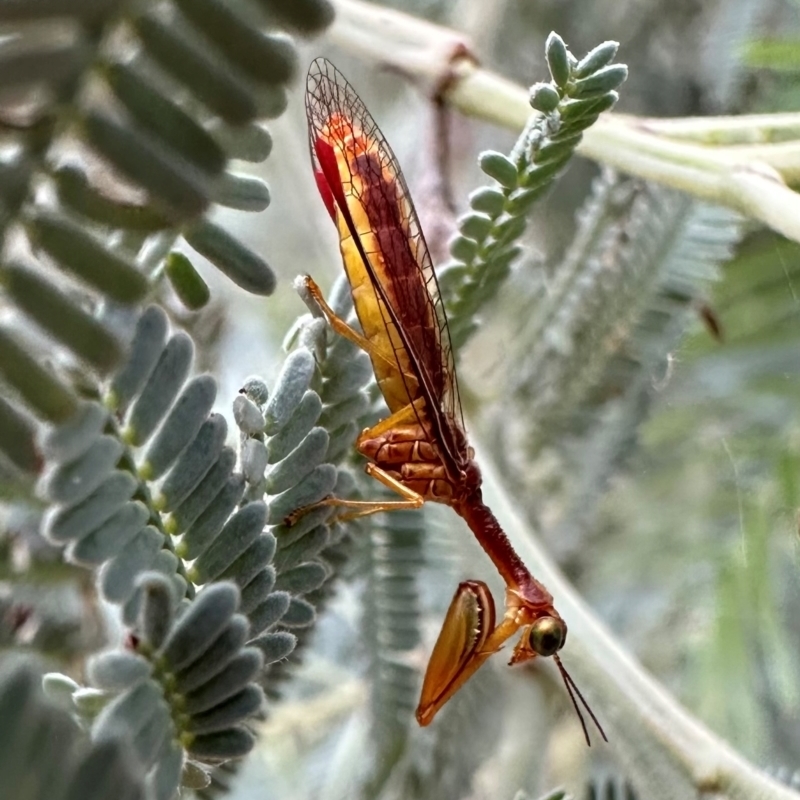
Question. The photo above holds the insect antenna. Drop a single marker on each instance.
(572, 690)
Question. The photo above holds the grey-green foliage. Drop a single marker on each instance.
(158, 488)
(185, 685)
(141, 485)
(181, 690)
(391, 625)
(486, 245)
(643, 260)
(95, 483)
(133, 468)
(45, 756)
(327, 414)
(88, 111)
(610, 788)
(599, 339)
(193, 682)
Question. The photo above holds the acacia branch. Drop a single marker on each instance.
(749, 178)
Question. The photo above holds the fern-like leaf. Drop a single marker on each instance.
(484, 249)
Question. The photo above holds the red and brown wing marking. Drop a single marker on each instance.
(363, 188)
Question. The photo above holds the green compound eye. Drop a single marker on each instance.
(547, 636)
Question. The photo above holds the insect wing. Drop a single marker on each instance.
(353, 160)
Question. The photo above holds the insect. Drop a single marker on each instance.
(420, 450)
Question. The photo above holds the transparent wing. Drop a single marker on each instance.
(409, 290)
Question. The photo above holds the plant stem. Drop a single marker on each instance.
(749, 178)
(743, 129)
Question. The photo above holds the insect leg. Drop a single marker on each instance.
(407, 415)
(342, 328)
(364, 508)
(467, 639)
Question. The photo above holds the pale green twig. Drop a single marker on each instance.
(750, 179)
(743, 129)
